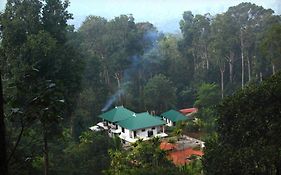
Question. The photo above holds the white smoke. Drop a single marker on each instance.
(112, 99)
(136, 64)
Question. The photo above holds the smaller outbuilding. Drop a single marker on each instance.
(171, 117)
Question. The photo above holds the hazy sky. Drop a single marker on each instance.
(165, 14)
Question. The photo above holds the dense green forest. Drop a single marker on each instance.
(56, 80)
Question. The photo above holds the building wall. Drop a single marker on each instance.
(127, 132)
(169, 122)
(111, 125)
(142, 133)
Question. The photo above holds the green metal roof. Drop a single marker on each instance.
(117, 114)
(140, 121)
(174, 115)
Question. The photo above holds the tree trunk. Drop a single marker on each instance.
(45, 151)
(222, 82)
(249, 68)
(242, 57)
(230, 72)
(208, 64)
(3, 148)
(17, 143)
(107, 78)
(117, 76)
(231, 62)
(207, 59)
(273, 69)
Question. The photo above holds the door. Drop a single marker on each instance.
(149, 133)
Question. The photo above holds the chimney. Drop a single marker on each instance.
(134, 115)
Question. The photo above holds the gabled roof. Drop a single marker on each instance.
(140, 121)
(117, 114)
(174, 116)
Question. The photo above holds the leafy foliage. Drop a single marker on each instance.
(89, 156)
(159, 93)
(56, 79)
(144, 158)
(248, 132)
(42, 71)
(271, 45)
(207, 95)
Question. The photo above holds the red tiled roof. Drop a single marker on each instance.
(180, 157)
(167, 146)
(188, 110)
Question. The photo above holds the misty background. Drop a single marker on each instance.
(164, 14)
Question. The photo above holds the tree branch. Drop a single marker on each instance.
(17, 142)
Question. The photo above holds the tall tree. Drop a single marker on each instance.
(247, 132)
(159, 94)
(39, 64)
(54, 18)
(218, 48)
(271, 47)
(173, 64)
(247, 16)
(3, 147)
(185, 45)
(201, 38)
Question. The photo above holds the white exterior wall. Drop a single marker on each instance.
(168, 122)
(111, 125)
(127, 133)
(142, 134)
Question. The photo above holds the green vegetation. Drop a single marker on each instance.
(143, 158)
(89, 156)
(56, 81)
(247, 139)
(208, 96)
(159, 93)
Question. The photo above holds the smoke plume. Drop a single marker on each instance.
(136, 63)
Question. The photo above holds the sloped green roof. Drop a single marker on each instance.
(117, 114)
(141, 120)
(174, 115)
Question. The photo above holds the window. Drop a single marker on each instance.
(143, 130)
(153, 127)
(123, 130)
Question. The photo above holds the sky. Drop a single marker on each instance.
(164, 14)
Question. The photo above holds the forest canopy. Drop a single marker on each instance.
(56, 80)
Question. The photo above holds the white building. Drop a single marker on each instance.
(130, 126)
(141, 126)
(171, 117)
